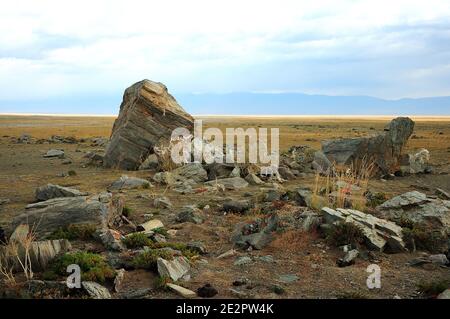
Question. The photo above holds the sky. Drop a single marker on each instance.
(79, 56)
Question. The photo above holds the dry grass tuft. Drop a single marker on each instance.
(344, 188)
(294, 240)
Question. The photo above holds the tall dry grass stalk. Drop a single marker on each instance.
(345, 187)
(16, 254)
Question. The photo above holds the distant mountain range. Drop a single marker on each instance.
(305, 104)
(246, 104)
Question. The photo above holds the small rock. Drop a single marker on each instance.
(236, 172)
(54, 153)
(183, 292)
(95, 290)
(189, 215)
(349, 258)
(126, 182)
(442, 194)
(240, 261)
(207, 291)
(252, 179)
(228, 253)
(444, 295)
(119, 279)
(232, 183)
(162, 202)
(439, 259)
(50, 191)
(289, 278)
(174, 269)
(150, 225)
(197, 247)
(235, 206)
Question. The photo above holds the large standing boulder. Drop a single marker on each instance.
(46, 217)
(148, 115)
(385, 149)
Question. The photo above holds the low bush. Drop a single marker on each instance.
(93, 266)
(344, 233)
(74, 231)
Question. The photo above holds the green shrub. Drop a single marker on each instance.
(147, 259)
(376, 199)
(344, 233)
(161, 231)
(72, 173)
(161, 283)
(93, 266)
(137, 240)
(126, 211)
(74, 231)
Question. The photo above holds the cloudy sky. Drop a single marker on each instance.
(91, 50)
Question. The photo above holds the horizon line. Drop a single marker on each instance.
(245, 115)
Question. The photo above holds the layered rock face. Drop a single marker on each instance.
(148, 115)
(384, 149)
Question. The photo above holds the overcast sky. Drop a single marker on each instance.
(74, 49)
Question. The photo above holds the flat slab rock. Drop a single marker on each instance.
(50, 191)
(174, 269)
(95, 290)
(126, 182)
(379, 233)
(148, 115)
(101, 210)
(231, 183)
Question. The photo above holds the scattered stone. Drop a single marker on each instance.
(24, 139)
(267, 259)
(440, 193)
(348, 259)
(66, 162)
(126, 182)
(197, 247)
(286, 173)
(235, 206)
(150, 225)
(207, 291)
(183, 292)
(257, 234)
(321, 163)
(303, 197)
(418, 208)
(227, 254)
(231, 183)
(174, 269)
(151, 162)
(164, 178)
(439, 259)
(99, 141)
(444, 295)
(240, 261)
(50, 191)
(378, 233)
(384, 148)
(236, 172)
(192, 171)
(112, 239)
(289, 278)
(4, 201)
(252, 179)
(54, 153)
(162, 202)
(415, 163)
(148, 115)
(57, 213)
(95, 290)
(189, 215)
(120, 274)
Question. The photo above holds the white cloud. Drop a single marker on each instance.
(103, 46)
